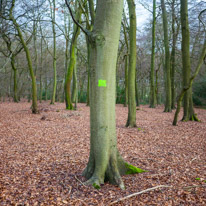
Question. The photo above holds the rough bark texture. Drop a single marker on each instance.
(152, 83)
(105, 162)
(131, 120)
(168, 102)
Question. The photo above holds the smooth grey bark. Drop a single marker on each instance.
(188, 113)
(153, 101)
(53, 16)
(168, 102)
(131, 119)
(105, 162)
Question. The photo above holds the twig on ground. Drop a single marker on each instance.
(138, 193)
(80, 181)
(193, 186)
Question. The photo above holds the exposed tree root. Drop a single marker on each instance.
(116, 167)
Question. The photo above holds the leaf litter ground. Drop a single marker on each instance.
(42, 157)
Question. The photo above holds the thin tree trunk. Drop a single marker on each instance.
(54, 53)
(153, 101)
(168, 102)
(131, 120)
(72, 62)
(186, 92)
(15, 97)
(29, 61)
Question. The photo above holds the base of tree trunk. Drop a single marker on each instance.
(35, 111)
(115, 168)
(130, 124)
(191, 118)
(69, 107)
(152, 106)
(167, 110)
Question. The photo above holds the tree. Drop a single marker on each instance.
(152, 84)
(53, 17)
(105, 162)
(131, 120)
(28, 56)
(168, 102)
(175, 33)
(12, 54)
(125, 61)
(187, 82)
(72, 61)
(189, 86)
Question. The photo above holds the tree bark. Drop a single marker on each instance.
(187, 103)
(72, 62)
(29, 61)
(153, 101)
(105, 162)
(53, 97)
(15, 97)
(168, 101)
(131, 120)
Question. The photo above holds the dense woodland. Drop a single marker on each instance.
(56, 55)
(58, 49)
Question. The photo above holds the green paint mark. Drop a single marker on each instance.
(102, 83)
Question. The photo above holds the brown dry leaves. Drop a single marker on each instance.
(42, 157)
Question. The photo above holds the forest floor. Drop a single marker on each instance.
(42, 157)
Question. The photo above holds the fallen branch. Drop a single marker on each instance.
(193, 186)
(138, 193)
(79, 181)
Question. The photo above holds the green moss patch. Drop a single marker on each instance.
(133, 170)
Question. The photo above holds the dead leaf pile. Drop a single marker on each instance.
(42, 157)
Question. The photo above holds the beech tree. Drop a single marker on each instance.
(53, 17)
(105, 162)
(168, 101)
(72, 61)
(153, 101)
(131, 120)
(186, 92)
(28, 56)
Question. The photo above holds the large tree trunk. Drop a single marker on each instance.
(153, 101)
(131, 120)
(105, 162)
(168, 101)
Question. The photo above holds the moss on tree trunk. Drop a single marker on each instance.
(72, 62)
(29, 61)
(187, 103)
